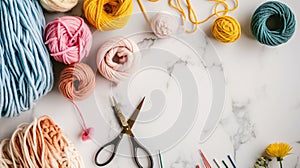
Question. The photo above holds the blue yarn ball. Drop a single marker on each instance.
(266, 35)
(25, 68)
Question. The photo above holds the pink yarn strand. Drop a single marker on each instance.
(87, 133)
(80, 114)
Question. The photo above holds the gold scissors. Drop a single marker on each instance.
(127, 125)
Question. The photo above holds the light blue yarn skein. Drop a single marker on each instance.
(273, 37)
(25, 68)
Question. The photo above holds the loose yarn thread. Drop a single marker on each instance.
(259, 23)
(26, 71)
(225, 28)
(58, 5)
(68, 39)
(117, 58)
(77, 82)
(39, 144)
(107, 15)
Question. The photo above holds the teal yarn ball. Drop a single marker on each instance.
(283, 30)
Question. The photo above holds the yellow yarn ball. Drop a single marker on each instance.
(107, 15)
(226, 29)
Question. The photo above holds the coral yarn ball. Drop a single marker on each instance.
(77, 81)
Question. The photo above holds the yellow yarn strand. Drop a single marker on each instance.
(107, 15)
(144, 11)
(219, 13)
(179, 8)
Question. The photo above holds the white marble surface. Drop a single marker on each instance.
(182, 77)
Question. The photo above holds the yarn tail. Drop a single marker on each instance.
(87, 133)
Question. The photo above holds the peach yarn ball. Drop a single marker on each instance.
(117, 59)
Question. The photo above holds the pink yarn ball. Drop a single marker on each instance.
(68, 39)
(117, 59)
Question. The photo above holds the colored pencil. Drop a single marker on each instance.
(216, 163)
(231, 161)
(160, 160)
(225, 164)
(205, 161)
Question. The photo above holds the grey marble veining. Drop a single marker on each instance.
(147, 43)
(171, 67)
(239, 126)
(181, 162)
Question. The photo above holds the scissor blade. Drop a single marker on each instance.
(119, 113)
(136, 112)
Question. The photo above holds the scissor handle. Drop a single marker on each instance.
(136, 145)
(115, 143)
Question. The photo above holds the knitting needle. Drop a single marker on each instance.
(216, 163)
(231, 161)
(160, 159)
(224, 164)
(206, 163)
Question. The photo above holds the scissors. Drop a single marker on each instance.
(127, 125)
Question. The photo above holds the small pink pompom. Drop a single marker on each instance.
(87, 134)
(68, 39)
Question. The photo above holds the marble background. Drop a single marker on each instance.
(261, 104)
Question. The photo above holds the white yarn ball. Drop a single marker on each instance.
(58, 5)
(164, 25)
